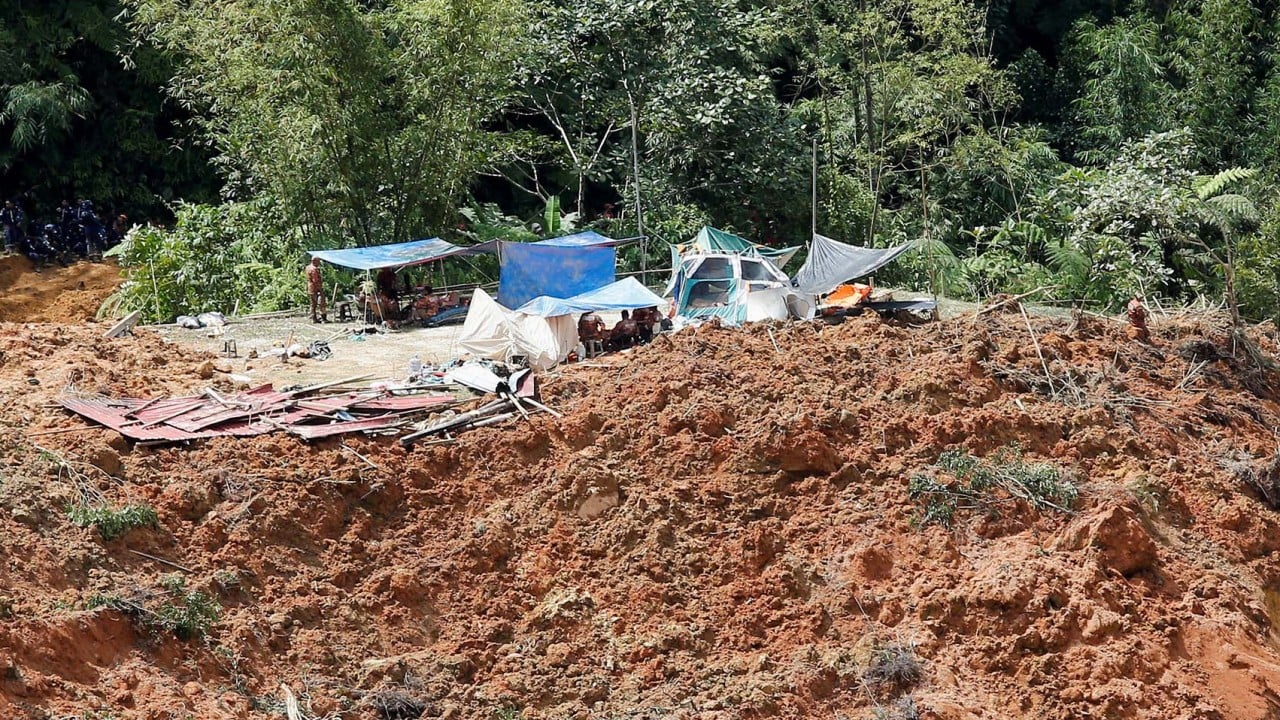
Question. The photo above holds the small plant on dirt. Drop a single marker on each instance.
(227, 580)
(113, 522)
(980, 482)
(894, 668)
(6, 608)
(938, 502)
(507, 712)
(396, 705)
(188, 615)
(112, 601)
(1148, 493)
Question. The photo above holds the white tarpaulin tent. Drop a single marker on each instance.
(494, 332)
(831, 263)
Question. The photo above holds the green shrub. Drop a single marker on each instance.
(216, 257)
(188, 615)
(938, 502)
(113, 522)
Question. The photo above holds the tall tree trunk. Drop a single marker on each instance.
(635, 160)
(868, 112)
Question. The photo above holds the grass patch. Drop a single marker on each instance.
(960, 481)
(173, 610)
(110, 522)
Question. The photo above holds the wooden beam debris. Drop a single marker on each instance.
(124, 326)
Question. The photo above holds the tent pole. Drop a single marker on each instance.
(813, 230)
(635, 162)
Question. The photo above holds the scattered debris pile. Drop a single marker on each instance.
(307, 413)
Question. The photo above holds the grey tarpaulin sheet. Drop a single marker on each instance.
(831, 263)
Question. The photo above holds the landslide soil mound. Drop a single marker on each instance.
(54, 294)
(722, 525)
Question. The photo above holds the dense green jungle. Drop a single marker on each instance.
(1098, 149)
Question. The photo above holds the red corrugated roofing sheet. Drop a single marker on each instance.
(312, 432)
(255, 412)
(399, 403)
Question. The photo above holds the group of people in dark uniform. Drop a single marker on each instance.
(74, 232)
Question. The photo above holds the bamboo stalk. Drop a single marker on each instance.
(59, 431)
(161, 561)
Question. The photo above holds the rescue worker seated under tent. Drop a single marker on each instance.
(591, 333)
(378, 307)
(645, 320)
(425, 307)
(431, 304)
(624, 334)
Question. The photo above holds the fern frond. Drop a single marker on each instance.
(1236, 207)
(1068, 259)
(1206, 186)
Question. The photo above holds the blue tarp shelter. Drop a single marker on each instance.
(559, 267)
(529, 270)
(831, 263)
(584, 239)
(587, 238)
(625, 294)
(416, 252)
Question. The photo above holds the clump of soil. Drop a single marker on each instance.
(54, 294)
(717, 528)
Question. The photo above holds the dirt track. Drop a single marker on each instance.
(715, 530)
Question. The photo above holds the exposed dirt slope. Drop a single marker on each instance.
(715, 529)
(55, 294)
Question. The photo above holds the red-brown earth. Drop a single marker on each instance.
(58, 294)
(715, 529)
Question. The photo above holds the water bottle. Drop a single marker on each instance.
(415, 367)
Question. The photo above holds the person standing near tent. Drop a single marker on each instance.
(1138, 314)
(387, 284)
(14, 222)
(315, 291)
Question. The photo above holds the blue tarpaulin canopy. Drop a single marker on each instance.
(626, 294)
(831, 263)
(417, 252)
(529, 270)
(586, 238)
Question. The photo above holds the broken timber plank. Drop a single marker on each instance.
(124, 326)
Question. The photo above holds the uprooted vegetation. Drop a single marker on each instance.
(724, 525)
(991, 484)
(169, 609)
(113, 522)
